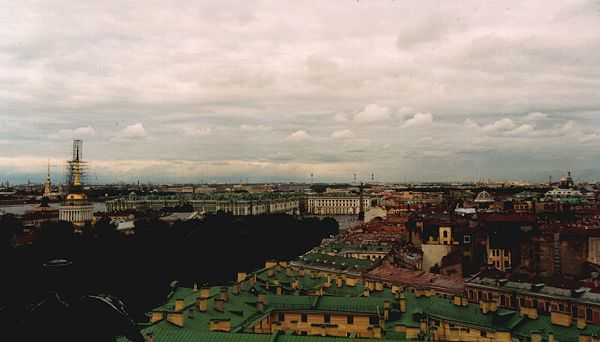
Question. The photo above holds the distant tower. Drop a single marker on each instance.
(48, 183)
(372, 177)
(76, 208)
(312, 177)
(361, 212)
(355, 178)
(76, 166)
(570, 181)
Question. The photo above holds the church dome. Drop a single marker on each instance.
(484, 197)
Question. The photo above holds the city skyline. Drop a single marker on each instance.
(447, 92)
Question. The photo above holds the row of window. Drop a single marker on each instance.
(373, 320)
(436, 323)
(337, 202)
(544, 307)
(500, 252)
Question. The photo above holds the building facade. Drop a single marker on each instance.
(235, 204)
(339, 204)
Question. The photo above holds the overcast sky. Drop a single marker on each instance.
(277, 90)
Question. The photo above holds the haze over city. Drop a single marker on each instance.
(271, 90)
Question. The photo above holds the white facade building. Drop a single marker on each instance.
(340, 204)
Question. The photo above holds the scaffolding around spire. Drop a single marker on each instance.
(76, 167)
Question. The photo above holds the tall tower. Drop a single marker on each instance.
(76, 167)
(48, 183)
(76, 208)
(361, 210)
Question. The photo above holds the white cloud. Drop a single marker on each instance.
(80, 132)
(372, 113)
(536, 116)
(419, 120)
(504, 124)
(342, 134)
(521, 130)
(135, 131)
(471, 124)
(509, 128)
(300, 135)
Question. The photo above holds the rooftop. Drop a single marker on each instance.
(240, 310)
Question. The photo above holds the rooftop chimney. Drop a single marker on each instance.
(224, 295)
(236, 289)
(219, 305)
(261, 302)
(386, 310)
(179, 304)
(202, 300)
(402, 302)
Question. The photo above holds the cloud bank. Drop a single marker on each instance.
(499, 89)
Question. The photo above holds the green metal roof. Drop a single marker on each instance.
(241, 311)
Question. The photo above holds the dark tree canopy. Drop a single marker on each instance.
(139, 269)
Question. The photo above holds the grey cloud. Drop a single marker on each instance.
(230, 80)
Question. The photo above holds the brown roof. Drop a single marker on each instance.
(403, 276)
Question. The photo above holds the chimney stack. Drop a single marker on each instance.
(236, 289)
(202, 299)
(179, 304)
(224, 294)
(328, 282)
(402, 303)
(386, 310)
(219, 305)
(261, 302)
